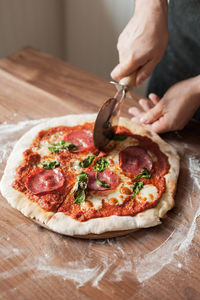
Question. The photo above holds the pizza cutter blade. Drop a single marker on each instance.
(109, 113)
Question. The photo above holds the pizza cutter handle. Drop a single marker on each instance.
(129, 81)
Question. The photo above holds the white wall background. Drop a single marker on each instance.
(83, 32)
(37, 23)
(92, 28)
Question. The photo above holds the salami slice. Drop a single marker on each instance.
(107, 175)
(83, 139)
(134, 159)
(42, 182)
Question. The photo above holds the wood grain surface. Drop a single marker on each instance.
(35, 263)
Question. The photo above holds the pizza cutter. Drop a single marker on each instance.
(108, 115)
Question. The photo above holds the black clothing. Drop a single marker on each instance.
(182, 57)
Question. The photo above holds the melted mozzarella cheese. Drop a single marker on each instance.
(92, 201)
(118, 197)
(148, 193)
(42, 149)
(56, 137)
(120, 193)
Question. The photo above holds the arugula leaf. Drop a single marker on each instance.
(119, 137)
(49, 164)
(145, 174)
(102, 182)
(80, 187)
(138, 185)
(86, 162)
(61, 146)
(101, 164)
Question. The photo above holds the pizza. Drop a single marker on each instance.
(57, 177)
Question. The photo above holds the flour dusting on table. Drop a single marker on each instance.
(90, 262)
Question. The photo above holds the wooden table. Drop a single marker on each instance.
(156, 263)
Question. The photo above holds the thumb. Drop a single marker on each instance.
(123, 70)
(144, 72)
(152, 115)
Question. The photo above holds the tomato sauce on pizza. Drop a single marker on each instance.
(63, 172)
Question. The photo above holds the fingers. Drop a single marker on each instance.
(127, 67)
(135, 120)
(117, 71)
(145, 104)
(135, 111)
(160, 126)
(152, 115)
(144, 72)
(151, 118)
(138, 113)
(122, 70)
(154, 98)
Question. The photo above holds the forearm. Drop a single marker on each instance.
(154, 14)
(196, 90)
(152, 6)
(197, 79)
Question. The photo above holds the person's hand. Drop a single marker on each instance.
(173, 110)
(143, 42)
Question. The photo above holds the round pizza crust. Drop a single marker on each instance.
(97, 227)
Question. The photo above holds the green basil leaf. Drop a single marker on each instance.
(102, 183)
(86, 162)
(49, 164)
(54, 149)
(80, 187)
(79, 196)
(66, 145)
(145, 174)
(138, 185)
(61, 146)
(101, 164)
(62, 143)
(82, 177)
(119, 137)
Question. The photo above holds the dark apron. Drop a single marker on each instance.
(182, 57)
